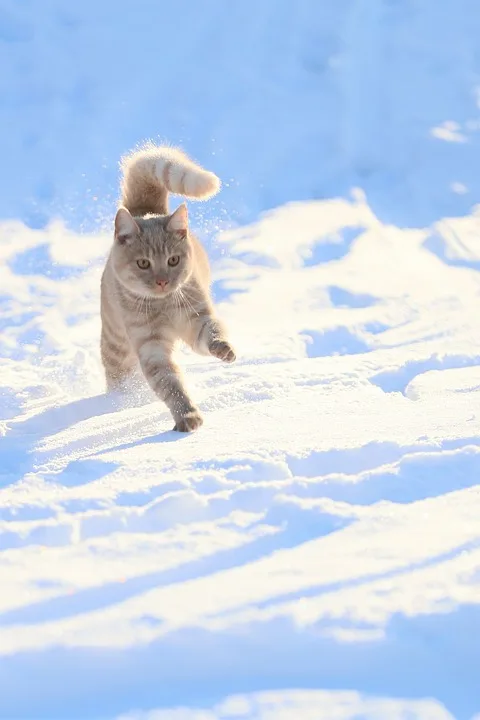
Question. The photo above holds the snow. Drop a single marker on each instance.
(314, 550)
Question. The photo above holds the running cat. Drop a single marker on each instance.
(155, 286)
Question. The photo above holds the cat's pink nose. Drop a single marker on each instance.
(162, 283)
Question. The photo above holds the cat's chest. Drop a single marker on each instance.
(171, 320)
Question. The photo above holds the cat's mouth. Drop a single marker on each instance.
(162, 292)
(158, 293)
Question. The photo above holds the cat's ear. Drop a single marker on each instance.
(125, 226)
(178, 222)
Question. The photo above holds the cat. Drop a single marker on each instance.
(155, 288)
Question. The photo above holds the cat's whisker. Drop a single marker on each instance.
(148, 307)
(175, 301)
(178, 299)
(181, 302)
(188, 303)
(139, 306)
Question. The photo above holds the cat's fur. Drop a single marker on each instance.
(145, 311)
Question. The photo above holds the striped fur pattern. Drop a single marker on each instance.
(155, 287)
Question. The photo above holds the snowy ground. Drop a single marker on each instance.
(313, 552)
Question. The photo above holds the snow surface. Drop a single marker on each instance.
(313, 552)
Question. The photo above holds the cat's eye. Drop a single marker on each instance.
(173, 260)
(143, 263)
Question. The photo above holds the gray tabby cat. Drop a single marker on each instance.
(156, 283)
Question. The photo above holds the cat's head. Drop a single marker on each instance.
(152, 256)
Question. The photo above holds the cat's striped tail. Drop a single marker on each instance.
(150, 173)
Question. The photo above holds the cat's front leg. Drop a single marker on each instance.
(209, 338)
(165, 379)
(222, 350)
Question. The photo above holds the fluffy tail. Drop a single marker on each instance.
(151, 173)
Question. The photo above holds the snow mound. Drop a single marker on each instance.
(319, 528)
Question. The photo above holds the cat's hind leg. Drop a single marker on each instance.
(117, 358)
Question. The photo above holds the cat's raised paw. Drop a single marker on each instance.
(189, 422)
(222, 350)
